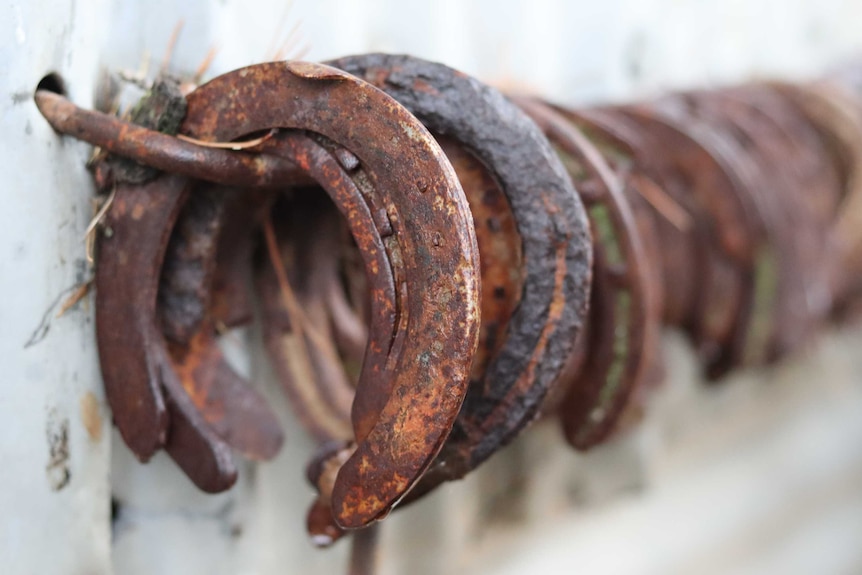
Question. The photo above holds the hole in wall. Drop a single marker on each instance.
(52, 82)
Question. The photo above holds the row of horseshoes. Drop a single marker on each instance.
(436, 265)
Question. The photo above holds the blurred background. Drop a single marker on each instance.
(761, 475)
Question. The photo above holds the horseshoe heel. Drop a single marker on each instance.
(127, 280)
(441, 278)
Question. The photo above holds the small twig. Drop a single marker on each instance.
(79, 294)
(89, 233)
(205, 65)
(101, 213)
(271, 51)
(235, 146)
(172, 44)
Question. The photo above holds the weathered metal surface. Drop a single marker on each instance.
(189, 264)
(151, 408)
(780, 319)
(234, 411)
(624, 310)
(837, 117)
(730, 213)
(741, 325)
(208, 405)
(127, 279)
(440, 278)
(500, 250)
(687, 170)
(556, 247)
(161, 151)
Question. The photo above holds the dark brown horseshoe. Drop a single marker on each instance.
(396, 151)
(808, 166)
(152, 405)
(189, 264)
(234, 410)
(734, 179)
(687, 170)
(127, 280)
(624, 312)
(499, 246)
(135, 364)
(781, 321)
(809, 158)
(836, 116)
(666, 215)
(556, 246)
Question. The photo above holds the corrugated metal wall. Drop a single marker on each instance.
(762, 476)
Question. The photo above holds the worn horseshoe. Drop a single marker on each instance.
(687, 168)
(837, 117)
(625, 308)
(785, 302)
(731, 327)
(151, 409)
(557, 251)
(441, 280)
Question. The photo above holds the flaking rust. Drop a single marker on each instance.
(551, 223)
(425, 391)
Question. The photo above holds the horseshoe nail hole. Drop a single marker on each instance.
(53, 82)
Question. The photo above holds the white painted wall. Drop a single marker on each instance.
(760, 477)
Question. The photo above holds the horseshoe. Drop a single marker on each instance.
(556, 248)
(784, 320)
(733, 178)
(189, 264)
(151, 409)
(625, 306)
(690, 174)
(807, 296)
(130, 257)
(441, 278)
(836, 116)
